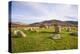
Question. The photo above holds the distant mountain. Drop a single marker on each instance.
(48, 23)
(58, 22)
(72, 22)
(15, 24)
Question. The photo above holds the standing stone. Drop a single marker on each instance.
(66, 28)
(19, 33)
(69, 29)
(57, 28)
(56, 35)
(26, 28)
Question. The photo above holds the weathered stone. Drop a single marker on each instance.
(19, 33)
(56, 36)
(68, 29)
(26, 28)
(57, 28)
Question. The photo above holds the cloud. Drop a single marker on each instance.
(43, 11)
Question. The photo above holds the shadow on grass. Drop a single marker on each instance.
(49, 32)
(74, 34)
(15, 37)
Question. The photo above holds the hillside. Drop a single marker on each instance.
(14, 24)
(48, 23)
(52, 22)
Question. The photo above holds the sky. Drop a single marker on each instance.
(31, 12)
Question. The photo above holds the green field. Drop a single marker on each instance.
(41, 41)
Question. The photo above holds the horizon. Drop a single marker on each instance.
(31, 12)
(39, 22)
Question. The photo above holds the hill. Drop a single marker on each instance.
(48, 23)
(58, 22)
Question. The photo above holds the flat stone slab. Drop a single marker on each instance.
(56, 36)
